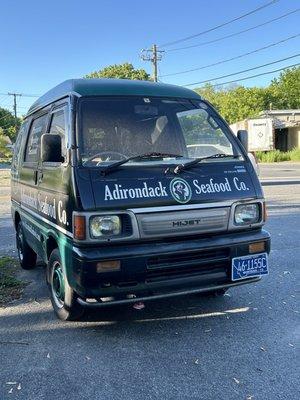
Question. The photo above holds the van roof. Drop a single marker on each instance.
(111, 87)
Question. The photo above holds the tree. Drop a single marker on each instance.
(285, 90)
(120, 71)
(238, 103)
(7, 123)
(5, 151)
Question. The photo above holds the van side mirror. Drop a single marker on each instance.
(51, 148)
(243, 138)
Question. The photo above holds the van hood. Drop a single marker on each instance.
(149, 186)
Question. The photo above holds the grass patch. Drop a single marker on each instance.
(278, 156)
(11, 287)
(295, 154)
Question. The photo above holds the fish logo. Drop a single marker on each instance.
(180, 190)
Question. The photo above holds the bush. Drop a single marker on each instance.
(278, 156)
(295, 154)
(5, 151)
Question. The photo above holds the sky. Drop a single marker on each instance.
(44, 43)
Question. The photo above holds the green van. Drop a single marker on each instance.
(133, 191)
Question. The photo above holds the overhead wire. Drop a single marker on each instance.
(219, 26)
(21, 95)
(254, 76)
(245, 70)
(232, 58)
(235, 33)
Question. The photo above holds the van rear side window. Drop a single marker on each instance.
(58, 127)
(34, 139)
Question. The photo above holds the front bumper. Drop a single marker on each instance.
(161, 269)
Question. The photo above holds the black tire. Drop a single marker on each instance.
(63, 297)
(214, 293)
(219, 293)
(27, 256)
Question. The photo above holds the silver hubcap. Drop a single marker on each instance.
(58, 284)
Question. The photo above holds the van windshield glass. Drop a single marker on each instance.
(114, 129)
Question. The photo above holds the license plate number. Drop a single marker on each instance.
(249, 266)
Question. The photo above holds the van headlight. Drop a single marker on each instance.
(105, 225)
(246, 214)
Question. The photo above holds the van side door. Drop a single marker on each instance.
(28, 181)
(55, 177)
(29, 173)
(17, 161)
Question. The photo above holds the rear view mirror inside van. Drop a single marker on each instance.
(51, 148)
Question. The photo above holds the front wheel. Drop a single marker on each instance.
(214, 293)
(63, 297)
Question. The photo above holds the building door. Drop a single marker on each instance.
(281, 139)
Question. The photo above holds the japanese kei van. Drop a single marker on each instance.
(132, 191)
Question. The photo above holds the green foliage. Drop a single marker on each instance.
(5, 152)
(295, 154)
(120, 71)
(285, 90)
(238, 103)
(277, 155)
(7, 123)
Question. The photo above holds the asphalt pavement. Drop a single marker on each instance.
(242, 346)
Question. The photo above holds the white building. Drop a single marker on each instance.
(273, 129)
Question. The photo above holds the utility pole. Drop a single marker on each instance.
(15, 107)
(153, 55)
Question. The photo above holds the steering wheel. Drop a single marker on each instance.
(106, 154)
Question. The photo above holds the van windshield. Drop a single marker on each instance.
(116, 128)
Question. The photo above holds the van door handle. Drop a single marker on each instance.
(35, 176)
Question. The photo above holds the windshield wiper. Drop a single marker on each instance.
(190, 164)
(111, 167)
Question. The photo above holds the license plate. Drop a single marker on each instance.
(249, 266)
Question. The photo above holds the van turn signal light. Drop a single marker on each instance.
(79, 227)
(258, 247)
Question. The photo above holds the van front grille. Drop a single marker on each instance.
(187, 222)
(177, 265)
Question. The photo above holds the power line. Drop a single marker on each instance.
(7, 113)
(236, 33)
(231, 59)
(5, 104)
(244, 70)
(254, 76)
(219, 26)
(2, 98)
(21, 94)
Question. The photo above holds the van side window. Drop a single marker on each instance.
(34, 139)
(18, 145)
(58, 127)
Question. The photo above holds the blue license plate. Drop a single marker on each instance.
(249, 266)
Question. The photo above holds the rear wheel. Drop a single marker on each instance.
(27, 256)
(63, 297)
